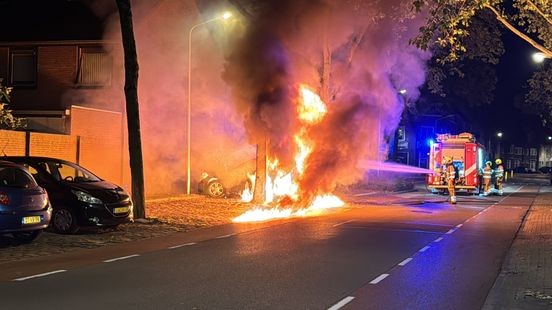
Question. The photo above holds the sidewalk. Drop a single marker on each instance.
(525, 279)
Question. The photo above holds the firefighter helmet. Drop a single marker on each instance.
(490, 163)
(447, 160)
(498, 161)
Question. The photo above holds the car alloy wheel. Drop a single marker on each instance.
(64, 221)
(215, 189)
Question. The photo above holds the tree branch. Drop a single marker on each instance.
(536, 8)
(520, 34)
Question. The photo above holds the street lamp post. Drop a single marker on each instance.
(226, 15)
(499, 135)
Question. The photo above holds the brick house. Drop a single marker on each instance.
(515, 156)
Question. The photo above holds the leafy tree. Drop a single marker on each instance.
(448, 23)
(133, 115)
(7, 120)
(449, 28)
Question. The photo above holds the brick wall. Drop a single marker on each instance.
(56, 72)
(12, 143)
(102, 147)
(52, 145)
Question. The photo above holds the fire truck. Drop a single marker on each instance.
(468, 158)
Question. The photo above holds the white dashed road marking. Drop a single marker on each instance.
(40, 275)
(181, 245)
(424, 248)
(406, 261)
(224, 236)
(438, 239)
(120, 258)
(450, 231)
(341, 303)
(379, 279)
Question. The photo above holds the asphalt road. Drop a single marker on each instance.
(415, 256)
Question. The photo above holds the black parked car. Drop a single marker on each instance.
(78, 197)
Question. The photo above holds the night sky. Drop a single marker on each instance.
(515, 68)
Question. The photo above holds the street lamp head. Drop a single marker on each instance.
(538, 57)
(226, 15)
(549, 138)
(499, 134)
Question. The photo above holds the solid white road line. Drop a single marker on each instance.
(450, 231)
(339, 224)
(342, 303)
(40, 275)
(438, 239)
(379, 279)
(180, 245)
(406, 261)
(424, 248)
(459, 225)
(120, 258)
(224, 236)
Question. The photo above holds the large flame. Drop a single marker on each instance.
(282, 186)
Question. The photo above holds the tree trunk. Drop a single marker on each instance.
(259, 193)
(133, 115)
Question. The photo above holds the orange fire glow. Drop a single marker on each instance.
(281, 186)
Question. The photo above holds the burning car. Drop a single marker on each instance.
(211, 186)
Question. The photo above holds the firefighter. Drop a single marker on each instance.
(487, 175)
(499, 175)
(450, 174)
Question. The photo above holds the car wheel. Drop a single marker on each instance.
(27, 236)
(215, 189)
(64, 221)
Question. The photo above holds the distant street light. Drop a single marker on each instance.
(549, 138)
(403, 91)
(499, 135)
(224, 16)
(539, 57)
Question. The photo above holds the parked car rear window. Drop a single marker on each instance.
(15, 177)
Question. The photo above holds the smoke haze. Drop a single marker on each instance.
(245, 74)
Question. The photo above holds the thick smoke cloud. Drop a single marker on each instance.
(219, 144)
(244, 80)
(355, 53)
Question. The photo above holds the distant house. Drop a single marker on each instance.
(521, 156)
(43, 72)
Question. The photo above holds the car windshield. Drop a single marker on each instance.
(16, 177)
(69, 172)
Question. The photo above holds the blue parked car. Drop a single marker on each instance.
(25, 210)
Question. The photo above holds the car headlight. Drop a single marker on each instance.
(85, 197)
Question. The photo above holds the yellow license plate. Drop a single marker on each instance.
(121, 210)
(31, 220)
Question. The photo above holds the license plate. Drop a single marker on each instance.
(120, 210)
(31, 219)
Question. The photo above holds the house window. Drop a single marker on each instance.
(517, 163)
(533, 152)
(23, 68)
(519, 150)
(511, 149)
(95, 68)
(533, 165)
(525, 152)
(509, 164)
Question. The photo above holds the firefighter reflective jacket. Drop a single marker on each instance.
(487, 172)
(450, 172)
(499, 172)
